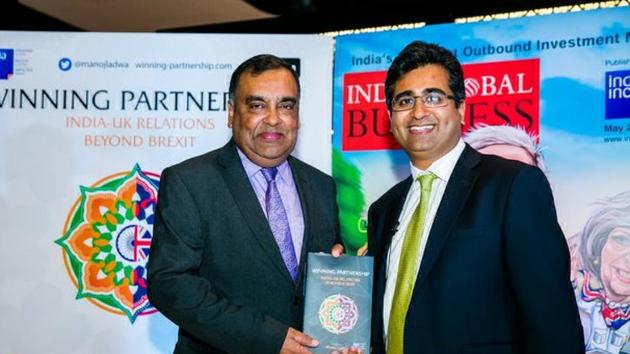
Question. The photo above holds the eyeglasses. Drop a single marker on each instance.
(429, 100)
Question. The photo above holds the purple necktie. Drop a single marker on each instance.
(279, 222)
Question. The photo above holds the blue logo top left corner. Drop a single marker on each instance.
(6, 63)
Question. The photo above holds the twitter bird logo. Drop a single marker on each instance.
(65, 64)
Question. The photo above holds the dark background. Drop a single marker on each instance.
(309, 16)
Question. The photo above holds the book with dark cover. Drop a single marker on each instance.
(338, 301)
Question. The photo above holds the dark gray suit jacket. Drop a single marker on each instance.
(215, 269)
(494, 277)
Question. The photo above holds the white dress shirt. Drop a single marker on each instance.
(442, 168)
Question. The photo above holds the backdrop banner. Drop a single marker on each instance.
(87, 123)
(554, 85)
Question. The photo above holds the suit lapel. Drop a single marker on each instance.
(392, 209)
(241, 189)
(306, 202)
(457, 190)
(392, 216)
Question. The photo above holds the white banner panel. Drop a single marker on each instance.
(87, 123)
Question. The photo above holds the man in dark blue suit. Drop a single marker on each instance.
(233, 226)
(469, 256)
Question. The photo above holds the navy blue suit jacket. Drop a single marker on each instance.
(494, 278)
(215, 269)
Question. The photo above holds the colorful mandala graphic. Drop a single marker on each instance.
(338, 314)
(107, 240)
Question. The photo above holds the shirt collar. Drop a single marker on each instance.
(442, 167)
(251, 168)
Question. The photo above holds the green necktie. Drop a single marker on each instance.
(407, 269)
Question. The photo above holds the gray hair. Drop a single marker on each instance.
(486, 135)
(611, 213)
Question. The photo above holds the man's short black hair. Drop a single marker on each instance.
(258, 64)
(418, 54)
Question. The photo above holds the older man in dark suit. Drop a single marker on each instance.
(233, 226)
(469, 256)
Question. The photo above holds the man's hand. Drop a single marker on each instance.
(297, 342)
(337, 250)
